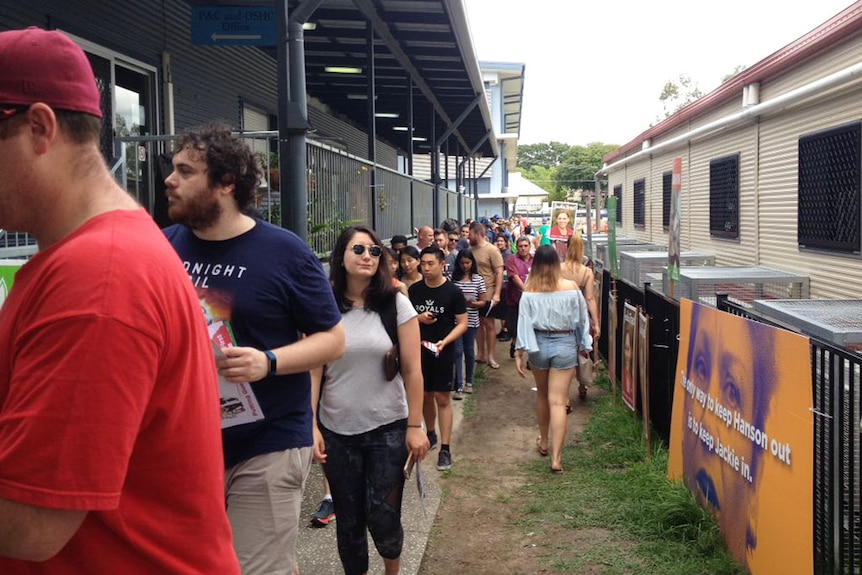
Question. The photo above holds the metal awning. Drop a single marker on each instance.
(426, 41)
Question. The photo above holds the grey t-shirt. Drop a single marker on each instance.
(355, 396)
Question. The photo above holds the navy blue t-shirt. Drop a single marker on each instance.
(270, 286)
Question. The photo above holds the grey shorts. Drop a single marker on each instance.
(557, 350)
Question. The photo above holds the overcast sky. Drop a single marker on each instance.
(595, 69)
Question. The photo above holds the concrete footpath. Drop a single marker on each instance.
(317, 551)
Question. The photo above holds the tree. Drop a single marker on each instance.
(542, 176)
(561, 169)
(727, 77)
(545, 154)
(677, 95)
(579, 166)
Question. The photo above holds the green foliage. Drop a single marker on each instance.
(545, 154)
(579, 166)
(651, 524)
(560, 168)
(542, 176)
(736, 71)
(678, 94)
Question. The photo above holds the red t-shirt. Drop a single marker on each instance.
(109, 403)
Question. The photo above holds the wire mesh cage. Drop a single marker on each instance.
(838, 399)
(742, 284)
(603, 251)
(838, 321)
(635, 265)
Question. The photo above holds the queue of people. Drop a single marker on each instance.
(123, 340)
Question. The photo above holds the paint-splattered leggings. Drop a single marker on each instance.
(366, 476)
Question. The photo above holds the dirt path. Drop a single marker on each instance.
(477, 530)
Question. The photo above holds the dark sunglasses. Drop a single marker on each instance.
(374, 250)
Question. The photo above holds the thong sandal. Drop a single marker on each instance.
(556, 470)
(493, 365)
(543, 451)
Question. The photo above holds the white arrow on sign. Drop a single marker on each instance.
(217, 37)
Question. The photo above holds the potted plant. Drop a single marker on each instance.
(269, 165)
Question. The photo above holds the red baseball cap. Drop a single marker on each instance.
(46, 66)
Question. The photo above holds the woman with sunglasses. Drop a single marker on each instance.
(554, 330)
(366, 425)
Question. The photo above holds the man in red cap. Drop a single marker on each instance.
(110, 446)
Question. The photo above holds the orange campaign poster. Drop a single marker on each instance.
(742, 435)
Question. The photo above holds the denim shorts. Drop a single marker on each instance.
(557, 350)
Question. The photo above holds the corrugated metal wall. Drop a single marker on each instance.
(768, 156)
(832, 275)
(210, 82)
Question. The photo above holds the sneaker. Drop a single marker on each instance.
(458, 395)
(324, 514)
(468, 388)
(432, 439)
(504, 336)
(444, 461)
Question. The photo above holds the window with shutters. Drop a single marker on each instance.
(618, 194)
(666, 186)
(829, 189)
(724, 197)
(639, 194)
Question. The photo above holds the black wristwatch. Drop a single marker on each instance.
(273, 362)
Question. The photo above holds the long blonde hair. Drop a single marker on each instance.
(545, 271)
(575, 253)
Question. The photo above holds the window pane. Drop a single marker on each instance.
(829, 182)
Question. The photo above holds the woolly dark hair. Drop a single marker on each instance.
(458, 273)
(229, 160)
(379, 292)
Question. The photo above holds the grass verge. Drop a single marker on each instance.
(618, 508)
(480, 377)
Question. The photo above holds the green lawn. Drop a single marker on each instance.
(617, 506)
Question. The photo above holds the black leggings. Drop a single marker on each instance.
(366, 477)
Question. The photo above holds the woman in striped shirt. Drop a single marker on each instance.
(466, 276)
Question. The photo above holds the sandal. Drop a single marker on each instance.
(582, 392)
(568, 408)
(542, 451)
(556, 470)
(493, 365)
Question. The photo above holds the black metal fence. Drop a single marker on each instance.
(835, 376)
(663, 339)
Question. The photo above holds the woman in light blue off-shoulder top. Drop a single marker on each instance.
(554, 331)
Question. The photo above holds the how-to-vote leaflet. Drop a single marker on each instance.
(238, 402)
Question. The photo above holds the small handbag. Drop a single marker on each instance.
(391, 363)
(392, 358)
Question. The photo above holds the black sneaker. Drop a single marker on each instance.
(504, 336)
(444, 461)
(432, 439)
(324, 514)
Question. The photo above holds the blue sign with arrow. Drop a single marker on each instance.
(233, 26)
